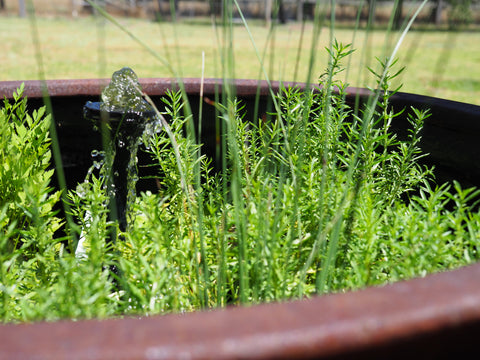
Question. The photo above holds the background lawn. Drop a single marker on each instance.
(438, 63)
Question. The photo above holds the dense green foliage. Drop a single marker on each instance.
(27, 216)
(320, 197)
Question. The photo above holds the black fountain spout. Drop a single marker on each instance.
(121, 116)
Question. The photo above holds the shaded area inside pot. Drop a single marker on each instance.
(449, 135)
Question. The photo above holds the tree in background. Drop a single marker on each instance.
(437, 9)
(397, 15)
(274, 9)
(21, 8)
(216, 7)
(459, 13)
(280, 11)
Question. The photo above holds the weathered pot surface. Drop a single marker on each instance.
(437, 316)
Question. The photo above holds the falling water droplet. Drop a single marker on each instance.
(123, 92)
(124, 96)
(81, 189)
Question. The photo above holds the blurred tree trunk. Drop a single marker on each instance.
(300, 10)
(397, 16)
(280, 11)
(216, 7)
(372, 4)
(268, 12)
(21, 8)
(2, 4)
(173, 7)
(436, 14)
(275, 9)
(159, 2)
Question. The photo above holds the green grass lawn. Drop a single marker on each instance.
(438, 63)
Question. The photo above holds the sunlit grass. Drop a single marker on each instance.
(438, 63)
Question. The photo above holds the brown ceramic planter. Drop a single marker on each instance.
(433, 317)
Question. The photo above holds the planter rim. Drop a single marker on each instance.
(346, 324)
(158, 86)
(436, 308)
